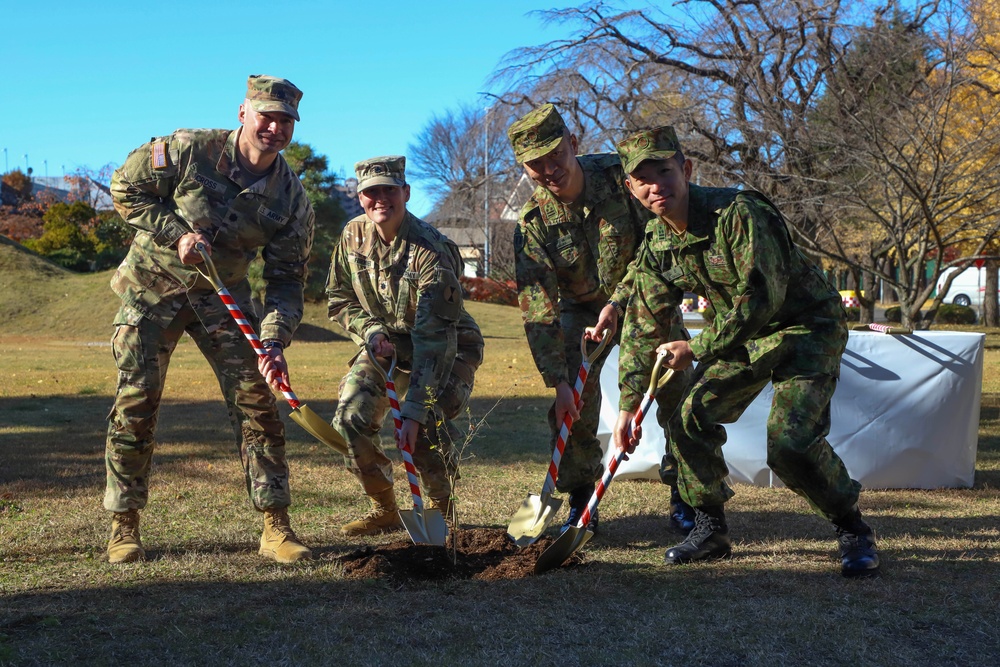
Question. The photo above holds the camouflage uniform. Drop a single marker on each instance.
(408, 291)
(777, 320)
(189, 181)
(570, 260)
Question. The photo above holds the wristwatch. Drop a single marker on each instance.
(618, 308)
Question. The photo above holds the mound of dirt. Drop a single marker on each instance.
(486, 554)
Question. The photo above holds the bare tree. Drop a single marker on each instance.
(743, 81)
(465, 161)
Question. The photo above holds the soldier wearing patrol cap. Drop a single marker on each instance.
(576, 236)
(777, 320)
(394, 287)
(233, 192)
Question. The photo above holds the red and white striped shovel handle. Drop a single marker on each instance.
(397, 420)
(644, 406)
(581, 381)
(241, 320)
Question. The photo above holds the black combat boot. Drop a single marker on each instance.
(578, 500)
(681, 514)
(709, 540)
(858, 554)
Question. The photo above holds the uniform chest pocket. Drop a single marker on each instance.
(719, 270)
(406, 298)
(565, 251)
(681, 278)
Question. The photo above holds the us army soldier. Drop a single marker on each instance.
(233, 192)
(576, 237)
(394, 287)
(777, 320)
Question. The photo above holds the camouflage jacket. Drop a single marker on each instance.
(188, 181)
(410, 292)
(766, 294)
(560, 256)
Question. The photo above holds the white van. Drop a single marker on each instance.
(967, 289)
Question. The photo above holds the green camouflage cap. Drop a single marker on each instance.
(385, 170)
(660, 143)
(269, 93)
(536, 133)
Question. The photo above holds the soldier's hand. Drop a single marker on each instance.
(187, 251)
(679, 354)
(274, 368)
(565, 405)
(408, 434)
(624, 438)
(606, 321)
(380, 346)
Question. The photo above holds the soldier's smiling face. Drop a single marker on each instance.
(662, 187)
(558, 170)
(385, 204)
(267, 132)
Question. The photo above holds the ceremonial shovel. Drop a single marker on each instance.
(423, 525)
(315, 425)
(537, 512)
(576, 536)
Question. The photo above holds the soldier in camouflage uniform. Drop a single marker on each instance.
(394, 287)
(777, 320)
(577, 235)
(233, 192)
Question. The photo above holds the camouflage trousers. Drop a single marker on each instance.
(362, 409)
(581, 461)
(142, 352)
(797, 449)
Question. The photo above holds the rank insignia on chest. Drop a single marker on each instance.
(661, 233)
(158, 157)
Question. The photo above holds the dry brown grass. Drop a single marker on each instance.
(205, 597)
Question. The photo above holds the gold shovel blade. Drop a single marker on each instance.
(427, 527)
(532, 518)
(565, 546)
(319, 428)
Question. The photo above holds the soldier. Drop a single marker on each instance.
(233, 192)
(777, 320)
(394, 287)
(577, 235)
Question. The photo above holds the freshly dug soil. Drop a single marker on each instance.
(481, 553)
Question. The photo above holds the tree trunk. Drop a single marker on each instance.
(991, 307)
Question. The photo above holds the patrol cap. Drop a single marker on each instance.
(269, 93)
(659, 143)
(536, 133)
(385, 170)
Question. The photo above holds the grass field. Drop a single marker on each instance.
(206, 597)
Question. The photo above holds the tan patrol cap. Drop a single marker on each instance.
(385, 170)
(536, 133)
(660, 143)
(269, 93)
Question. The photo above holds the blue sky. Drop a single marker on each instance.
(93, 80)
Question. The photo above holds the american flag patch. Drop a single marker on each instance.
(159, 155)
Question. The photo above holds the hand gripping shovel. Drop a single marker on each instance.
(315, 425)
(576, 536)
(537, 512)
(425, 526)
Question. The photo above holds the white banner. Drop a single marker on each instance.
(905, 415)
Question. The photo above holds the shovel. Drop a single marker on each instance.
(576, 536)
(536, 512)
(424, 526)
(315, 425)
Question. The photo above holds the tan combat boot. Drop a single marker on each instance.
(382, 518)
(443, 505)
(278, 540)
(125, 545)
